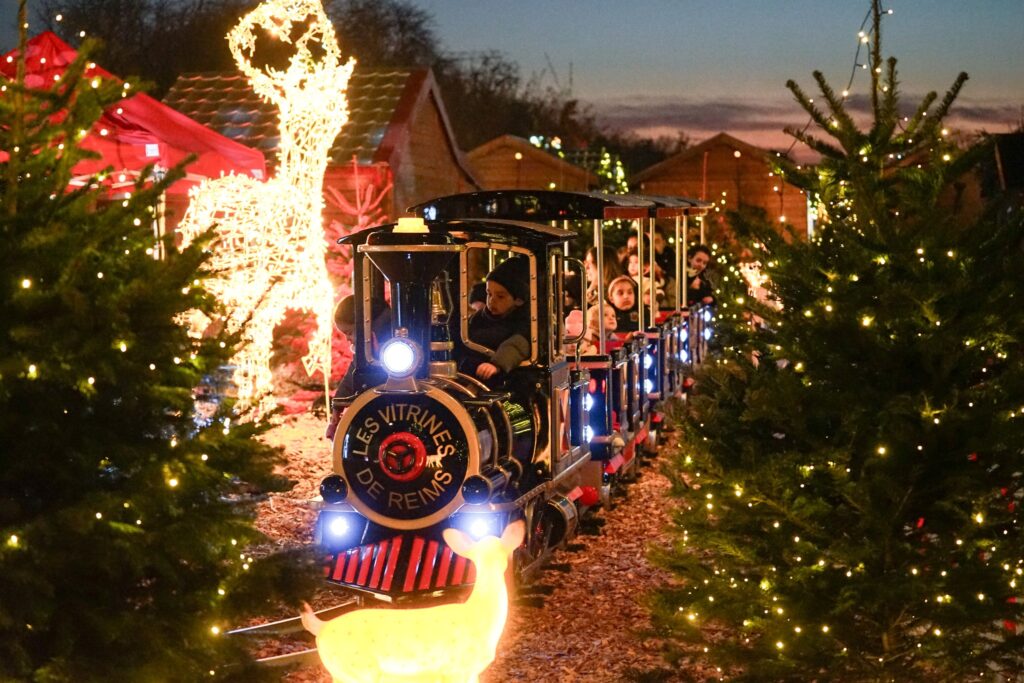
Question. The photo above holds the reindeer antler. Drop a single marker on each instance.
(279, 17)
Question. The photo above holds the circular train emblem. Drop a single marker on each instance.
(405, 458)
(402, 456)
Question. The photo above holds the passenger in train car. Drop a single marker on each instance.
(623, 298)
(631, 242)
(598, 324)
(612, 269)
(632, 267)
(572, 298)
(700, 290)
(504, 323)
(664, 255)
(478, 296)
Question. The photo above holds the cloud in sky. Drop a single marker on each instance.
(761, 122)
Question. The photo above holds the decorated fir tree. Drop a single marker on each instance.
(850, 479)
(125, 533)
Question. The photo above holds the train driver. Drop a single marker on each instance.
(503, 324)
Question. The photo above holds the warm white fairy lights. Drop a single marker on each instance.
(270, 244)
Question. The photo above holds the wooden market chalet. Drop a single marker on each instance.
(398, 135)
(728, 172)
(509, 161)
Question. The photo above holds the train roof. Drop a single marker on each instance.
(490, 229)
(552, 205)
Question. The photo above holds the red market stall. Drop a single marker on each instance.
(138, 131)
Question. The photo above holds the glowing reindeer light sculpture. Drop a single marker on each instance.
(270, 235)
(445, 644)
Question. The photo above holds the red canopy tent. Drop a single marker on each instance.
(139, 130)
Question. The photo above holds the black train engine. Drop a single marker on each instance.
(422, 446)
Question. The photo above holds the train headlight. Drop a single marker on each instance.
(400, 357)
(478, 524)
(338, 527)
(340, 530)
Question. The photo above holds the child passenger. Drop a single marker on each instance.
(503, 325)
(598, 325)
(622, 295)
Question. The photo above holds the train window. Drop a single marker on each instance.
(376, 309)
(556, 304)
(520, 278)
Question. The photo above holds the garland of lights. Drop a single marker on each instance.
(270, 236)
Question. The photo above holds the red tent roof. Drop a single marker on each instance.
(138, 130)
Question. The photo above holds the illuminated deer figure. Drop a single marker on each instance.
(269, 246)
(443, 644)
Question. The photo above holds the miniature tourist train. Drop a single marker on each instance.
(423, 444)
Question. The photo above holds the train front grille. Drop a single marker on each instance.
(400, 565)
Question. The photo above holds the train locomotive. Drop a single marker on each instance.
(422, 446)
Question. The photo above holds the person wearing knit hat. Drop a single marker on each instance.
(623, 297)
(503, 324)
(514, 275)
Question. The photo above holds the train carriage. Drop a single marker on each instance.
(422, 444)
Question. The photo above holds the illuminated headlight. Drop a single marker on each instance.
(648, 360)
(338, 527)
(588, 402)
(588, 433)
(478, 524)
(430, 213)
(707, 333)
(648, 386)
(339, 530)
(707, 316)
(684, 355)
(399, 356)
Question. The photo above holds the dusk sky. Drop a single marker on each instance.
(703, 66)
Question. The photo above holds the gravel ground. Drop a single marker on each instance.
(590, 623)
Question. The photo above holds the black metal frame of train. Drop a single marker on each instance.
(421, 446)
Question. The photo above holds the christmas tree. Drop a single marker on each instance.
(850, 477)
(126, 536)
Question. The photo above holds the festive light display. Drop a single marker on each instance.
(270, 235)
(443, 643)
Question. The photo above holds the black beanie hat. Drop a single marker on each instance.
(478, 292)
(513, 275)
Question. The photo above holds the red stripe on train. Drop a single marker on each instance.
(442, 571)
(428, 565)
(413, 566)
(364, 566)
(460, 569)
(389, 573)
(379, 554)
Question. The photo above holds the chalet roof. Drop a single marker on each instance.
(380, 101)
(533, 152)
(697, 151)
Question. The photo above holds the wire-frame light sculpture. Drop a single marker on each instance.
(269, 248)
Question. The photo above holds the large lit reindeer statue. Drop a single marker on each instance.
(443, 644)
(269, 247)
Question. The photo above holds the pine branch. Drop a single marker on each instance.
(825, 149)
(805, 102)
(887, 116)
(846, 126)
